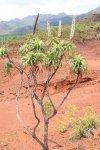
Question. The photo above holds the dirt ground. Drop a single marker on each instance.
(86, 93)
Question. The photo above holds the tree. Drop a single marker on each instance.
(33, 55)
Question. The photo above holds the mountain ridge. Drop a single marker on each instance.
(25, 25)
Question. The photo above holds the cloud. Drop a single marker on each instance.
(20, 8)
(21, 2)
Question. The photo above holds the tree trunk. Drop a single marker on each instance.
(46, 134)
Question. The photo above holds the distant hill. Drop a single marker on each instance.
(95, 11)
(25, 25)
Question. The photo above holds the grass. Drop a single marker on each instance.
(62, 126)
(79, 126)
(13, 39)
(83, 126)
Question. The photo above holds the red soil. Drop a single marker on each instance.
(86, 93)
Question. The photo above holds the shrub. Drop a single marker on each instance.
(62, 126)
(84, 125)
(78, 64)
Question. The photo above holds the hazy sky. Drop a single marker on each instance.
(10, 9)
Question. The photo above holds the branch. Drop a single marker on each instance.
(49, 78)
(37, 124)
(33, 94)
(33, 105)
(35, 83)
(45, 86)
(51, 100)
(54, 109)
(17, 107)
(19, 69)
(66, 96)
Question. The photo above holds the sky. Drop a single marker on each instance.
(10, 9)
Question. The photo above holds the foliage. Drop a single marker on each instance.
(83, 126)
(3, 52)
(34, 52)
(33, 58)
(71, 110)
(78, 64)
(11, 39)
(71, 114)
(47, 108)
(34, 45)
(52, 59)
(8, 66)
(62, 126)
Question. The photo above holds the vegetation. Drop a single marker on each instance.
(83, 126)
(85, 30)
(38, 55)
(78, 64)
(35, 55)
(13, 39)
(62, 126)
(48, 108)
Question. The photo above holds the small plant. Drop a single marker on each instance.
(79, 130)
(83, 126)
(48, 108)
(91, 119)
(72, 108)
(62, 126)
(3, 52)
(71, 112)
(78, 65)
(8, 66)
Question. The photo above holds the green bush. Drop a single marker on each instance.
(78, 64)
(84, 125)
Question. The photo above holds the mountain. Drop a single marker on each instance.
(25, 25)
(89, 14)
(95, 11)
